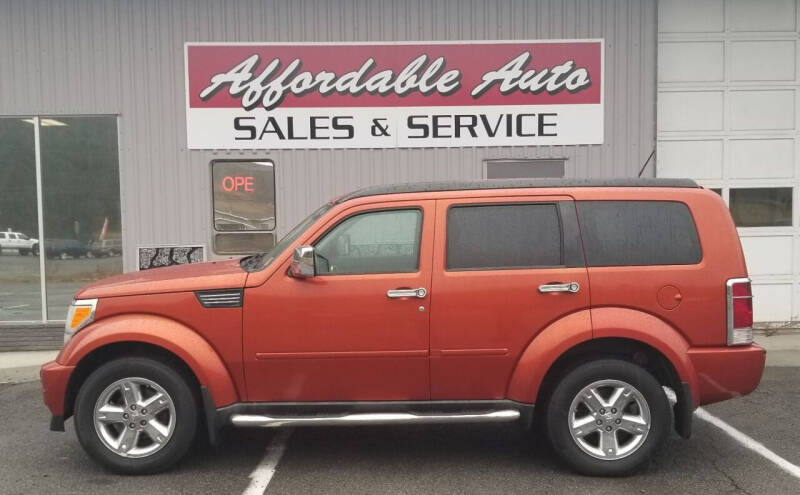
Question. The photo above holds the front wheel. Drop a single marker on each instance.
(136, 415)
(607, 417)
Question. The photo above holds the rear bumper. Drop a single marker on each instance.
(726, 372)
(55, 379)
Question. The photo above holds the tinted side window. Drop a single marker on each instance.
(503, 236)
(628, 233)
(375, 242)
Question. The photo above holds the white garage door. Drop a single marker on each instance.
(728, 117)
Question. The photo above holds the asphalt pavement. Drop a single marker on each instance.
(457, 459)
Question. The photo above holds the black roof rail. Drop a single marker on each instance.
(512, 184)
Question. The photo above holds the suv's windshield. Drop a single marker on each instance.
(260, 261)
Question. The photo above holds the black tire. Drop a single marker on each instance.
(558, 413)
(172, 381)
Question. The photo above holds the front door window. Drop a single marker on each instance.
(373, 242)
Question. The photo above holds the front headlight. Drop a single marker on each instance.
(81, 313)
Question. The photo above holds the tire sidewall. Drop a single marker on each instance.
(581, 376)
(166, 377)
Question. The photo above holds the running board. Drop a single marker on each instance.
(382, 418)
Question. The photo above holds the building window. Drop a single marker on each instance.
(761, 207)
(80, 235)
(20, 297)
(489, 237)
(244, 206)
(81, 203)
(525, 169)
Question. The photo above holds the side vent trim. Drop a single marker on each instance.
(220, 298)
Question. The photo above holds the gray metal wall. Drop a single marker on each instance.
(126, 57)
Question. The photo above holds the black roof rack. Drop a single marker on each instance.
(512, 184)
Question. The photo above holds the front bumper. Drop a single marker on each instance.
(726, 372)
(55, 379)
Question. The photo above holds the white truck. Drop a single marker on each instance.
(18, 241)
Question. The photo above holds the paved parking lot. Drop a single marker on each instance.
(421, 459)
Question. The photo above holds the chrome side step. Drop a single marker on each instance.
(382, 418)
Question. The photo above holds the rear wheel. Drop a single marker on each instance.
(607, 417)
(136, 415)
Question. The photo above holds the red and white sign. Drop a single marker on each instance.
(394, 95)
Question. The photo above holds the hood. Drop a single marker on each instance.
(225, 274)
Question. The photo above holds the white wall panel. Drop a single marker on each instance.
(699, 159)
(761, 158)
(762, 110)
(768, 255)
(691, 61)
(772, 302)
(706, 16)
(762, 15)
(762, 60)
(690, 111)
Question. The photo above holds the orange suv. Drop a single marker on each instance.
(565, 304)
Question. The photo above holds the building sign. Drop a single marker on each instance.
(388, 95)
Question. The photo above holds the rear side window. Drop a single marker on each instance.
(503, 236)
(629, 233)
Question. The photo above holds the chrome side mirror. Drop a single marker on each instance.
(303, 262)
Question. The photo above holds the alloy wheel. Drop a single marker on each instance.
(609, 419)
(134, 417)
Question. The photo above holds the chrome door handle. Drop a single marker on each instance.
(572, 287)
(398, 293)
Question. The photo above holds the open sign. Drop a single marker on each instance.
(237, 183)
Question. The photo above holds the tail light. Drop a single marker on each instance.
(740, 311)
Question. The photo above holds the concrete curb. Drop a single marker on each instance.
(23, 366)
(19, 375)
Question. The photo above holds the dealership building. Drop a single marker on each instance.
(139, 134)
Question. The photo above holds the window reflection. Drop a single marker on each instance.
(81, 202)
(20, 294)
(762, 206)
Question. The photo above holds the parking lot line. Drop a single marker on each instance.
(18, 306)
(749, 442)
(262, 474)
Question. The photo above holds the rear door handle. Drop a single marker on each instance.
(571, 287)
(398, 293)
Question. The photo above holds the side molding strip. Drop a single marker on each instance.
(501, 416)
